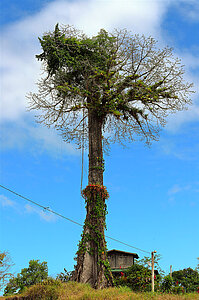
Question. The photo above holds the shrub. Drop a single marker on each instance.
(35, 273)
(64, 276)
(47, 290)
(138, 278)
(187, 278)
(167, 284)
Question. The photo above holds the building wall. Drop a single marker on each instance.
(112, 261)
(120, 260)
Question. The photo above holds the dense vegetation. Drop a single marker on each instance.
(34, 282)
(35, 273)
(55, 290)
(138, 278)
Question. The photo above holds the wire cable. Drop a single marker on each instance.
(126, 244)
(82, 158)
(44, 207)
(62, 216)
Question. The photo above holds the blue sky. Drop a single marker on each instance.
(154, 192)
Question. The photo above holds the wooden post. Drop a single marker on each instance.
(152, 270)
(171, 271)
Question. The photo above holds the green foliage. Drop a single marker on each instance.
(137, 277)
(95, 196)
(35, 273)
(178, 289)
(146, 262)
(55, 290)
(167, 284)
(182, 281)
(123, 78)
(99, 164)
(74, 52)
(187, 278)
(47, 290)
(64, 276)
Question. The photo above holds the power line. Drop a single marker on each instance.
(126, 244)
(46, 208)
(62, 216)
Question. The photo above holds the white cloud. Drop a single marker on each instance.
(5, 201)
(176, 121)
(191, 64)
(191, 10)
(183, 146)
(190, 60)
(49, 141)
(19, 41)
(176, 188)
(20, 70)
(45, 215)
(187, 194)
(138, 16)
(21, 135)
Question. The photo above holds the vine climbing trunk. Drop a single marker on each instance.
(92, 264)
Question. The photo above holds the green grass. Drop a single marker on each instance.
(74, 290)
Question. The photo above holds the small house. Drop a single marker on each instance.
(120, 260)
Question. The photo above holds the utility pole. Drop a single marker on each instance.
(152, 270)
(171, 271)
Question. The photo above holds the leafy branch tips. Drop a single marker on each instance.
(128, 82)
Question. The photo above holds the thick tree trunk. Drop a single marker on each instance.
(92, 264)
(95, 149)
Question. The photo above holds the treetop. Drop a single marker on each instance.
(124, 79)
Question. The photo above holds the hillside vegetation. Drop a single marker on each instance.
(55, 290)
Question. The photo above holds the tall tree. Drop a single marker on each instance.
(108, 88)
(35, 273)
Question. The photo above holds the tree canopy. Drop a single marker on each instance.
(130, 83)
(187, 278)
(35, 273)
